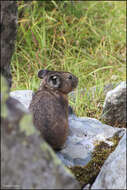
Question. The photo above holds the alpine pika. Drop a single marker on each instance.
(49, 106)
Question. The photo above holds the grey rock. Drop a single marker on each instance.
(84, 134)
(87, 187)
(8, 35)
(113, 172)
(24, 96)
(27, 161)
(114, 108)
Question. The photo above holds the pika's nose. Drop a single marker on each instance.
(74, 82)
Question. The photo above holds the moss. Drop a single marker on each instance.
(87, 174)
(26, 125)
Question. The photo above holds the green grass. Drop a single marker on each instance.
(87, 38)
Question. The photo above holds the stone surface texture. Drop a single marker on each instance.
(27, 161)
(113, 172)
(114, 109)
(24, 96)
(84, 134)
(8, 36)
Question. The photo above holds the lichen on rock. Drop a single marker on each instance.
(4, 96)
(27, 126)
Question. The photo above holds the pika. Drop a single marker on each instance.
(49, 106)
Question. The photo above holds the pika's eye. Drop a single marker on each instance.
(55, 81)
(70, 77)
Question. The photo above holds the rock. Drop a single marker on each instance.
(113, 172)
(27, 161)
(8, 35)
(114, 108)
(87, 187)
(84, 136)
(24, 96)
(85, 133)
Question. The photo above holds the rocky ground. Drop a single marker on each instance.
(94, 155)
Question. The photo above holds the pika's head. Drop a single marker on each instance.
(64, 82)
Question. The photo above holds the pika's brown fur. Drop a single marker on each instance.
(49, 106)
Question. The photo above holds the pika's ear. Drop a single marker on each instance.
(42, 73)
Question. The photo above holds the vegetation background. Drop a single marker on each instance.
(87, 38)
